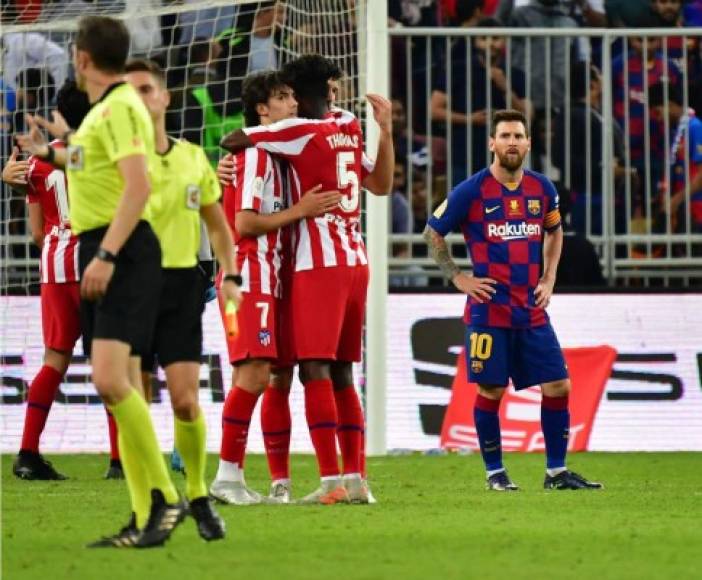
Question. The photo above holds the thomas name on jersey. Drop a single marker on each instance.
(339, 140)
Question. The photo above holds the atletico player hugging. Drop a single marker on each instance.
(47, 200)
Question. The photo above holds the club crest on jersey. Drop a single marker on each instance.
(514, 207)
(192, 197)
(476, 366)
(75, 159)
(534, 206)
(264, 337)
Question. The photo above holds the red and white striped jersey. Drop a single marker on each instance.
(260, 185)
(327, 152)
(59, 254)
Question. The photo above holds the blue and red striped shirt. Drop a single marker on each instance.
(633, 64)
(504, 230)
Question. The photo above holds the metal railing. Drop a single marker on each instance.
(620, 194)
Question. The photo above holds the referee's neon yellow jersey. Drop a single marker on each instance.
(183, 181)
(117, 126)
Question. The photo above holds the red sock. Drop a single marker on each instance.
(236, 416)
(112, 429)
(350, 429)
(42, 392)
(320, 411)
(275, 424)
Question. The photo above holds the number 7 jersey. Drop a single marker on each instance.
(59, 253)
(326, 152)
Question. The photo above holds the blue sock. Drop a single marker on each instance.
(555, 424)
(487, 424)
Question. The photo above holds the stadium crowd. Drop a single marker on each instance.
(207, 53)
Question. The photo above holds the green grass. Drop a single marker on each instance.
(433, 520)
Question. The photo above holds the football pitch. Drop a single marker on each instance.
(434, 519)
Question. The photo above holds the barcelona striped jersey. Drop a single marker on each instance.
(504, 228)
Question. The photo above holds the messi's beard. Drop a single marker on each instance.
(511, 162)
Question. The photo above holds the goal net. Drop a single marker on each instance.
(206, 48)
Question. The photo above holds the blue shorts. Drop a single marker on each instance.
(529, 356)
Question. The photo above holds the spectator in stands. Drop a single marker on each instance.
(184, 116)
(630, 87)
(263, 51)
(627, 14)
(35, 93)
(412, 13)
(544, 62)
(402, 224)
(72, 9)
(684, 140)
(418, 147)
(587, 12)
(692, 13)
(473, 99)
(543, 14)
(144, 29)
(8, 104)
(205, 22)
(571, 156)
(669, 11)
(401, 213)
(22, 50)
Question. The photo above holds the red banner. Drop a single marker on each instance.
(520, 411)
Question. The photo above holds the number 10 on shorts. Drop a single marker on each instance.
(480, 346)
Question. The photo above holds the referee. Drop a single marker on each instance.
(185, 189)
(108, 163)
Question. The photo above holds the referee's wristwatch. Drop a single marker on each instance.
(106, 256)
(236, 278)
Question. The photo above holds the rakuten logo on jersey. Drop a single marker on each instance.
(513, 231)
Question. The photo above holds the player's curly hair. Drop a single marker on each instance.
(72, 103)
(257, 88)
(309, 74)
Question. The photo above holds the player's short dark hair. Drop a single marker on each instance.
(507, 115)
(309, 74)
(72, 103)
(256, 89)
(106, 40)
(148, 66)
(657, 94)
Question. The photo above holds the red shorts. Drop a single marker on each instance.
(60, 315)
(328, 307)
(257, 327)
(284, 322)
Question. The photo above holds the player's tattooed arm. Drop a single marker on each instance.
(236, 141)
(480, 289)
(440, 252)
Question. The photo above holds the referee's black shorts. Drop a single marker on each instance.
(178, 333)
(127, 312)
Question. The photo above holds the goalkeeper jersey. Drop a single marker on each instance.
(182, 182)
(117, 127)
